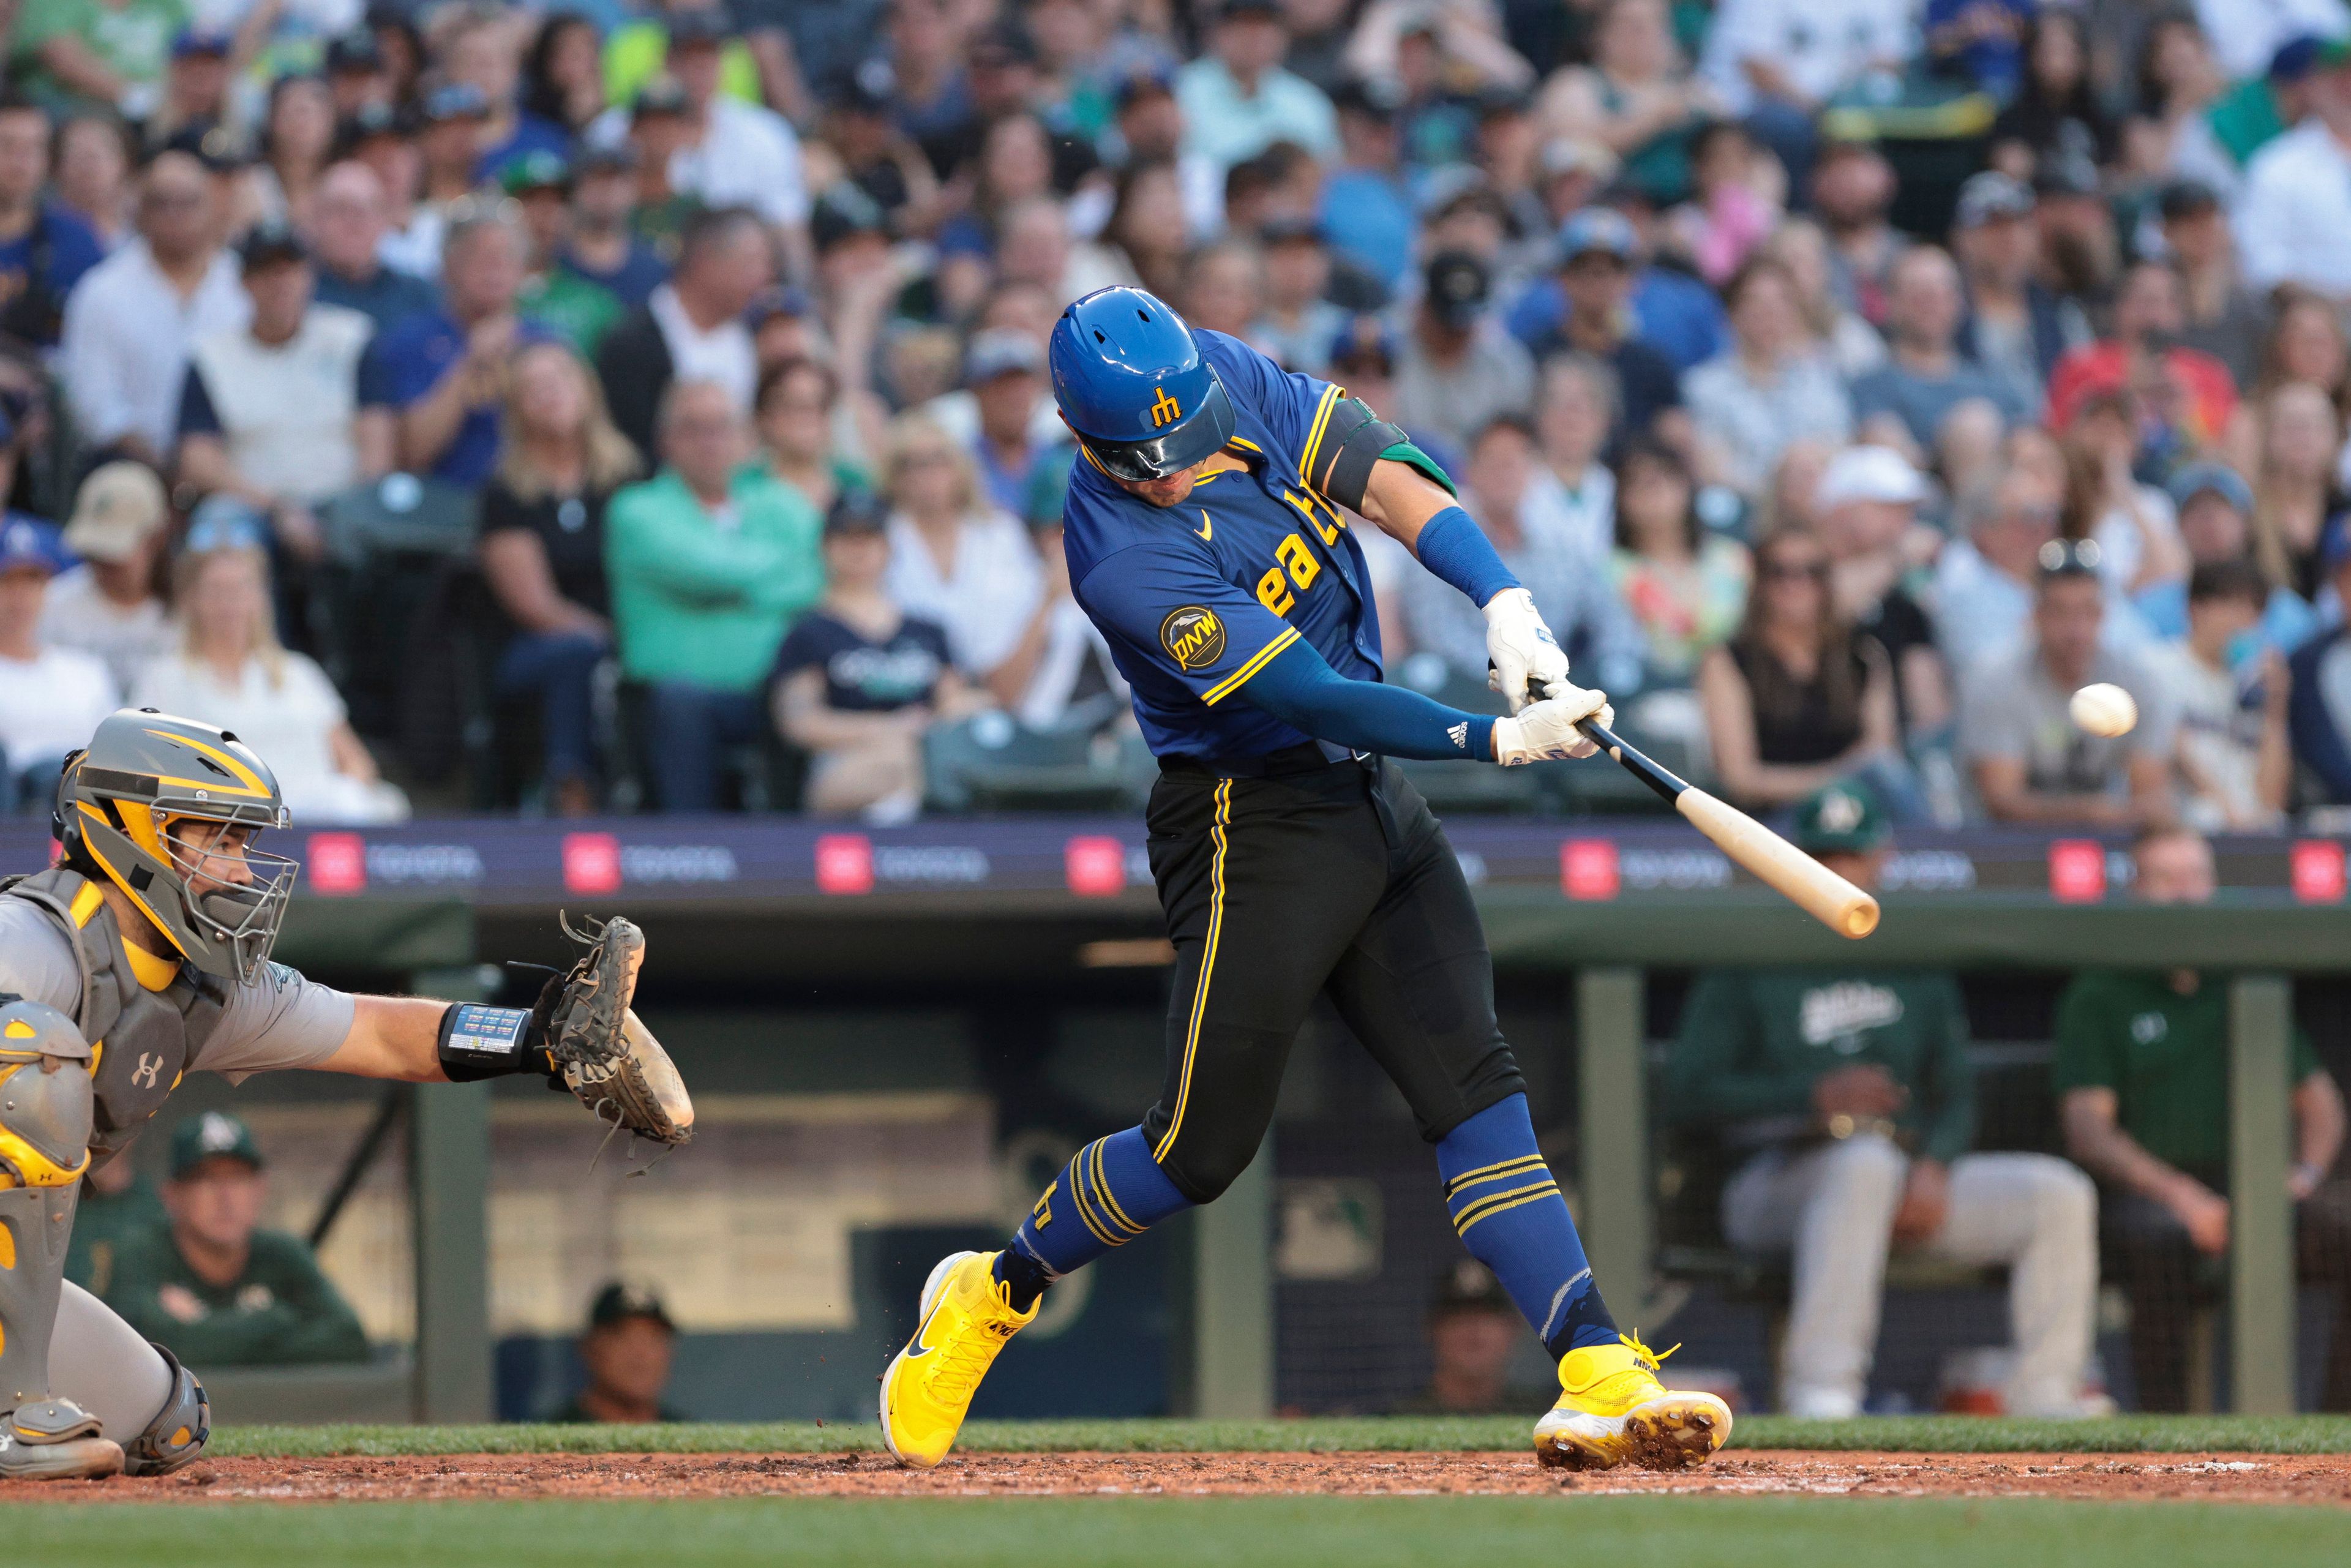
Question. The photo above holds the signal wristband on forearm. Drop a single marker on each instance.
(478, 1042)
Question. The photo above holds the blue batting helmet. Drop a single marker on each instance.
(1131, 379)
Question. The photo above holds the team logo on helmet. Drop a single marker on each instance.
(1193, 637)
(1165, 410)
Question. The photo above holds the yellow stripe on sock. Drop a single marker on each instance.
(1085, 1212)
(1492, 1173)
(1102, 1193)
(1497, 1202)
(1208, 964)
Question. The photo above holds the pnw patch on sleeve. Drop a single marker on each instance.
(1193, 637)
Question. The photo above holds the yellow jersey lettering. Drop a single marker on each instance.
(1274, 594)
(1294, 553)
(1329, 531)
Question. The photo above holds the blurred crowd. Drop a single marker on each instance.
(662, 385)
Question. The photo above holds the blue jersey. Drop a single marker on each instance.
(1197, 598)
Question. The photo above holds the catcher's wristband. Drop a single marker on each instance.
(478, 1042)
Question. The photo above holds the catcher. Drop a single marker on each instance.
(144, 955)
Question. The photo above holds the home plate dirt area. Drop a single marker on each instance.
(2323, 1479)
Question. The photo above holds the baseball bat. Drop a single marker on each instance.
(1803, 880)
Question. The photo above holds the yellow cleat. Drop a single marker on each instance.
(967, 1318)
(1612, 1410)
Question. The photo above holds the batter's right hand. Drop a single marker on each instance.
(1545, 731)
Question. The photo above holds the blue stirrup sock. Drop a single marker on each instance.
(1512, 1218)
(1111, 1192)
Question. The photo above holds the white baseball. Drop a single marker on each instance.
(2103, 709)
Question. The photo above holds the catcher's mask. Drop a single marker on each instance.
(122, 803)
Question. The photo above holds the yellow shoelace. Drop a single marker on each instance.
(1642, 1353)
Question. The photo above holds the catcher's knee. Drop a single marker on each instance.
(179, 1430)
(45, 1102)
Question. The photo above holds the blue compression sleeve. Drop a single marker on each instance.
(1299, 687)
(1455, 550)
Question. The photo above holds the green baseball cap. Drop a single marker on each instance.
(535, 171)
(1844, 818)
(209, 1136)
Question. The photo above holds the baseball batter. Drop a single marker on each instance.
(143, 957)
(1205, 539)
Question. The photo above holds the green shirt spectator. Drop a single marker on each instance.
(570, 306)
(214, 1287)
(1752, 1044)
(2165, 1055)
(129, 40)
(118, 1204)
(705, 595)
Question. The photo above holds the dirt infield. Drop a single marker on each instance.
(2235, 1478)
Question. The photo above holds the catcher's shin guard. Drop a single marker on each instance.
(178, 1432)
(45, 1126)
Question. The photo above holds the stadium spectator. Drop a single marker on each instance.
(692, 328)
(1984, 579)
(598, 245)
(2319, 715)
(268, 413)
(2305, 343)
(1237, 100)
(347, 230)
(1473, 1333)
(542, 550)
(481, 49)
(229, 670)
(799, 399)
(2137, 534)
(1005, 370)
(554, 297)
(2016, 327)
(2031, 763)
(432, 383)
(93, 54)
(1502, 485)
(91, 176)
(1637, 97)
(1852, 1098)
(450, 138)
(354, 67)
(1866, 510)
(128, 324)
(2296, 203)
(736, 153)
(1597, 253)
(1684, 586)
(2141, 1073)
(45, 246)
(1774, 386)
(1367, 206)
(956, 559)
(858, 680)
(709, 562)
(1797, 699)
(1575, 400)
(1733, 204)
(1456, 369)
(118, 1204)
(2297, 485)
(1853, 345)
(412, 230)
(108, 606)
(1913, 397)
(1298, 320)
(2214, 507)
(562, 73)
(50, 698)
(297, 136)
(625, 1354)
(2196, 395)
(1779, 62)
(2180, 85)
(2225, 318)
(213, 1284)
(2057, 101)
(1852, 195)
(2232, 760)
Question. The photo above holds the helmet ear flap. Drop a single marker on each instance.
(60, 818)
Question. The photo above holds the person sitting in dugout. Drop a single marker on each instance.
(144, 955)
(216, 1286)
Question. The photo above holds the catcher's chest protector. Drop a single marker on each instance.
(145, 1040)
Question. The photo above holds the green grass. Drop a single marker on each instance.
(1153, 1532)
(1950, 1434)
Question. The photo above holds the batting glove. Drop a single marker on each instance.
(1545, 731)
(1526, 658)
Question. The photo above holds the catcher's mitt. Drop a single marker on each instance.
(599, 1049)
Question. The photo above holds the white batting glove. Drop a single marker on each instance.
(1545, 731)
(1525, 655)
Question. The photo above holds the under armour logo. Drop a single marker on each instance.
(1459, 735)
(147, 1072)
(1166, 411)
